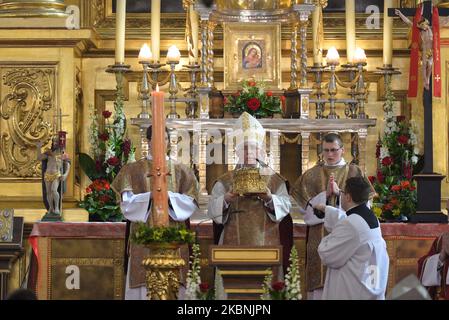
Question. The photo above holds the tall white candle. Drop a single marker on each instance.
(388, 34)
(156, 28)
(120, 27)
(316, 36)
(195, 28)
(350, 29)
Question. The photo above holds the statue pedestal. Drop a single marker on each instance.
(244, 268)
(51, 217)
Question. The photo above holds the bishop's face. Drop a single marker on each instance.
(249, 153)
(332, 152)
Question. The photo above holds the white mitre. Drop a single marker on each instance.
(248, 129)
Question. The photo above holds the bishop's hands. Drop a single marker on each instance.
(332, 187)
(266, 197)
(230, 197)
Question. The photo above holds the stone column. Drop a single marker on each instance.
(362, 133)
(305, 151)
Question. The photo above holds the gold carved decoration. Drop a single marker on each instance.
(248, 180)
(162, 271)
(27, 96)
(6, 224)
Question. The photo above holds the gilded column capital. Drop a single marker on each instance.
(33, 8)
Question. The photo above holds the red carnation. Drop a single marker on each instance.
(269, 94)
(88, 190)
(225, 100)
(387, 161)
(372, 179)
(236, 94)
(412, 188)
(402, 139)
(253, 104)
(113, 161)
(387, 207)
(278, 286)
(204, 287)
(396, 188)
(106, 114)
(252, 83)
(103, 136)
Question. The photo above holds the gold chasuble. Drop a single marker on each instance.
(133, 177)
(309, 185)
(246, 221)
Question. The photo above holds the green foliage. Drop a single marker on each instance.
(255, 100)
(176, 234)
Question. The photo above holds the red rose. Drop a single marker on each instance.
(269, 94)
(396, 188)
(106, 114)
(225, 100)
(204, 287)
(380, 176)
(412, 188)
(103, 136)
(253, 104)
(372, 179)
(88, 190)
(236, 94)
(402, 139)
(394, 201)
(387, 161)
(400, 118)
(113, 161)
(278, 286)
(107, 186)
(387, 207)
(252, 83)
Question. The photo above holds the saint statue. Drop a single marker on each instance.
(55, 169)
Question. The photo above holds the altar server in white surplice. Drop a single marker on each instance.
(354, 252)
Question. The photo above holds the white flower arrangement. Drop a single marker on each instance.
(193, 276)
(292, 281)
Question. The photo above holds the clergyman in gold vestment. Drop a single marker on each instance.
(134, 187)
(322, 184)
(249, 219)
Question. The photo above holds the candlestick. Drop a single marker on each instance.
(120, 27)
(173, 55)
(159, 166)
(145, 54)
(156, 28)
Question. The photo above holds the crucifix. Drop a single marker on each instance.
(425, 29)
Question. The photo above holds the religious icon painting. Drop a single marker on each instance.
(251, 51)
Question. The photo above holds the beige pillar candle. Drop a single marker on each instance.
(388, 34)
(317, 34)
(120, 27)
(195, 28)
(156, 28)
(350, 29)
